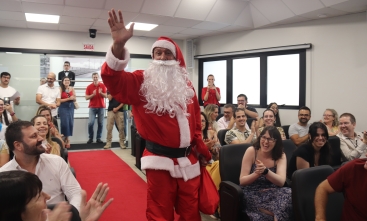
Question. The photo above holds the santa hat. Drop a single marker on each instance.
(165, 42)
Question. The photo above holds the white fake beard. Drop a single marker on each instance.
(166, 88)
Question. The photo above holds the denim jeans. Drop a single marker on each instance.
(92, 117)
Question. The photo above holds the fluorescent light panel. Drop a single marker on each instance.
(42, 18)
(13, 52)
(142, 26)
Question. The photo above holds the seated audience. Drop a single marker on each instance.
(22, 199)
(242, 103)
(330, 119)
(7, 113)
(351, 180)
(352, 143)
(227, 121)
(315, 152)
(274, 107)
(269, 120)
(240, 134)
(209, 137)
(58, 181)
(211, 112)
(298, 132)
(263, 174)
(40, 123)
(4, 153)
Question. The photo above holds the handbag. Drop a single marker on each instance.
(76, 105)
(208, 194)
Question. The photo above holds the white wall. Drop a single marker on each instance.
(336, 65)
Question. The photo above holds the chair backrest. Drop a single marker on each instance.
(334, 142)
(219, 116)
(221, 136)
(286, 128)
(289, 148)
(230, 158)
(304, 184)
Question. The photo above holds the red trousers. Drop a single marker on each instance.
(166, 194)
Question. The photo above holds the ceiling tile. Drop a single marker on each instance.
(295, 19)
(98, 4)
(257, 18)
(13, 23)
(82, 12)
(181, 36)
(76, 20)
(329, 12)
(29, 7)
(193, 9)
(38, 25)
(12, 15)
(7, 5)
(100, 23)
(168, 29)
(151, 19)
(301, 6)
(245, 18)
(128, 16)
(155, 7)
(328, 3)
(207, 25)
(273, 10)
(77, 28)
(226, 11)
(124, 5)
(351, 6)
(234, 28)
(191, 31)
(52, 2)
(181, 22)
(156, 34)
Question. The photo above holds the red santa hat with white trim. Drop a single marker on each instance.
(165, 42)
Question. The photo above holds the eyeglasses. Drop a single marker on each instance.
(269, 139)
(6, 77)
(227, 112)
(303, 115)
(50, 79)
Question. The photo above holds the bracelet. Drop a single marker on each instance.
(12, 114)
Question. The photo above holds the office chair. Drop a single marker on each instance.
(221, 136)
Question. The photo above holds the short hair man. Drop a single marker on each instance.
(6, 90)
(68, 73)
(167, 114)
(57, 179)
(351, 180)
(352, 143)
(96, 92)
(227, 121)
(242, 103)
(240, 134)
(49, 94)
(298, 132)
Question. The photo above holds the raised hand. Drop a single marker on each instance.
(119, 33)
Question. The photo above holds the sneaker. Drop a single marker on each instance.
(99, 141)
(107, 146)
(122, 145)
(90, 141)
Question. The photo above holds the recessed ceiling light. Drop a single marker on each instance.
(42, 18)
(142, 26)
(13, 52)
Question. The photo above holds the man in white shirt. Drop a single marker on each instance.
(298, 132)
(49, 94)
(352, 143)
(6, 90)
(57, 179)
(227, 121)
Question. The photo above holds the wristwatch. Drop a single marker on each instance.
(265, 171)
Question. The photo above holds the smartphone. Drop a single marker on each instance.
(6, 100)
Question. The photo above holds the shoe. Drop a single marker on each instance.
(122, 145)
(90, 141)
(107, 146)
(99, 141)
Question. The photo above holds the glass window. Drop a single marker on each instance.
(219, 70)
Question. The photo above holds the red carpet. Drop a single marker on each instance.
(126, 187)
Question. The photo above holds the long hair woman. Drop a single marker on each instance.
(211, 112)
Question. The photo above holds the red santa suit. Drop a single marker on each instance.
(172, 182)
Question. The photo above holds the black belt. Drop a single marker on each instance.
(168, 151)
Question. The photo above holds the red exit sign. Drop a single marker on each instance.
(88, 47)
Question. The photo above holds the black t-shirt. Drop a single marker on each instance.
(114, 103)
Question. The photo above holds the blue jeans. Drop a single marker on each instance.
(92, 117)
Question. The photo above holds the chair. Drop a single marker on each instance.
(286, 129)
(221, 136)
(334, 142)
(304, 184)
(289, 148)
(230, 192)
(74, 212)
(219, 116)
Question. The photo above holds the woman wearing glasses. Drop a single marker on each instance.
(269, 120)
(263, 174)
(66, 109)
(330, 119)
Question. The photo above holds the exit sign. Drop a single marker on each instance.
(88, 47)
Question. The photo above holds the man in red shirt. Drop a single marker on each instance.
(167, 115)
(96, 92)
(351, 179)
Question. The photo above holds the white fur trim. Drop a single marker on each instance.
(163, 163)
(115, 63)
(164, 44)
(183, 124)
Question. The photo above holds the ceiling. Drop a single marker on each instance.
(178, 19)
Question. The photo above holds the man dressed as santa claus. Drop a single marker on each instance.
(167, 115)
